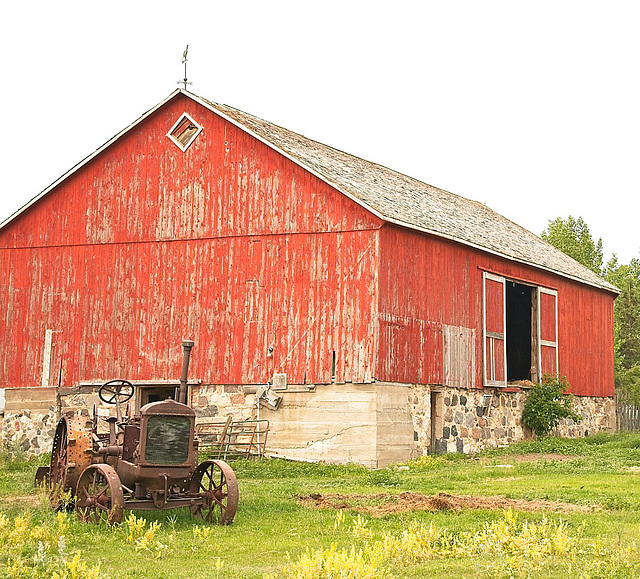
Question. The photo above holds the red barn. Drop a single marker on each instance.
(394, 317)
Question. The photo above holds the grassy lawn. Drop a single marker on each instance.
(595, 532)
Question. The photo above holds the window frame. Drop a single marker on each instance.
(542, 343)
(199, 128)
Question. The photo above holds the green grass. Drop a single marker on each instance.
(271, 525)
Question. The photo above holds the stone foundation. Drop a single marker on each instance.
(211, 401)
(470, 422)
(598, 415)
(28, 433)
(32, 432)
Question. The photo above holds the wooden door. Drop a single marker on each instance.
(494, 328)
(547, 331)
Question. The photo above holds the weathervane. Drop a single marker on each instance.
(184, 61)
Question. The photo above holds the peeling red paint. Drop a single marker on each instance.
(267, 267)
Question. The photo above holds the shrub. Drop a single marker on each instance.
(547, 404)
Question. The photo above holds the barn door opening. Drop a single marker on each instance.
(519, 334)
(520, 331)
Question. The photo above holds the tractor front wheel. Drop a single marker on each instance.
(216, 482)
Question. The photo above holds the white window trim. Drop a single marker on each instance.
(182, 147)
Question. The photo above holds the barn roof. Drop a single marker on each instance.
(394, 197)
(406, 201)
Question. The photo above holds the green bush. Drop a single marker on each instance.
(547, 404)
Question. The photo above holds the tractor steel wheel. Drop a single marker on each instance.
(216, 482)
(99, 495)
(70, 455)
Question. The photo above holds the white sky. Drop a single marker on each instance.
(530, 107)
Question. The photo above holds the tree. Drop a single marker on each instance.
(572, 236)
(626, 317)
(627, 308)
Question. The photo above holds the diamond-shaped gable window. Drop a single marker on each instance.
(185, 131)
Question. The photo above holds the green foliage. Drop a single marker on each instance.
(515, 548)
(38, 550)
(626, 326)
(547, 404)
(572, 236)
(384, 477)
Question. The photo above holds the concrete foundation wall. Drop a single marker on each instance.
(367, 424)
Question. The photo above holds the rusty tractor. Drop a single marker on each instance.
(148, 461)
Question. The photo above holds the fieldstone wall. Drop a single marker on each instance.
(468, 425)
(211, 401)
(598, 415)
(29, 433)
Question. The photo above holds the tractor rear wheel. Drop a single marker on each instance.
(99, 495)
(70, 455)
(216, 482)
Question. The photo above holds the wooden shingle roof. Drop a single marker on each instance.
(405, 201)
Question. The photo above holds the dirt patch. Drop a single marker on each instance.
(533, 457)
(381, 504)
(26, 500)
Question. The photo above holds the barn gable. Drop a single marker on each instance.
(121, 194)
(144, 242)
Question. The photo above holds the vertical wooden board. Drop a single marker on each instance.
(499, 368)
(548, 360)
(548, 317)
(459, 366)
(6, 312)
(494, 305)
(413, 351)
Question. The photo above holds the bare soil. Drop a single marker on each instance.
(533, 457)
(549, 456)
(381, 504)
(27, 500)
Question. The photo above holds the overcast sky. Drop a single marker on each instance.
(530, 107)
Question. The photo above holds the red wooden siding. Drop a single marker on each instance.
(228, 243)
(427, 282)
(233, 245)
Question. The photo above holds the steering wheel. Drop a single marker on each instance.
(116, 391)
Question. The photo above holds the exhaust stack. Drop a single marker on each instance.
(186, 354)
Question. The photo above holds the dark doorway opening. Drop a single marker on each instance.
(519, 306)
(155, 394)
